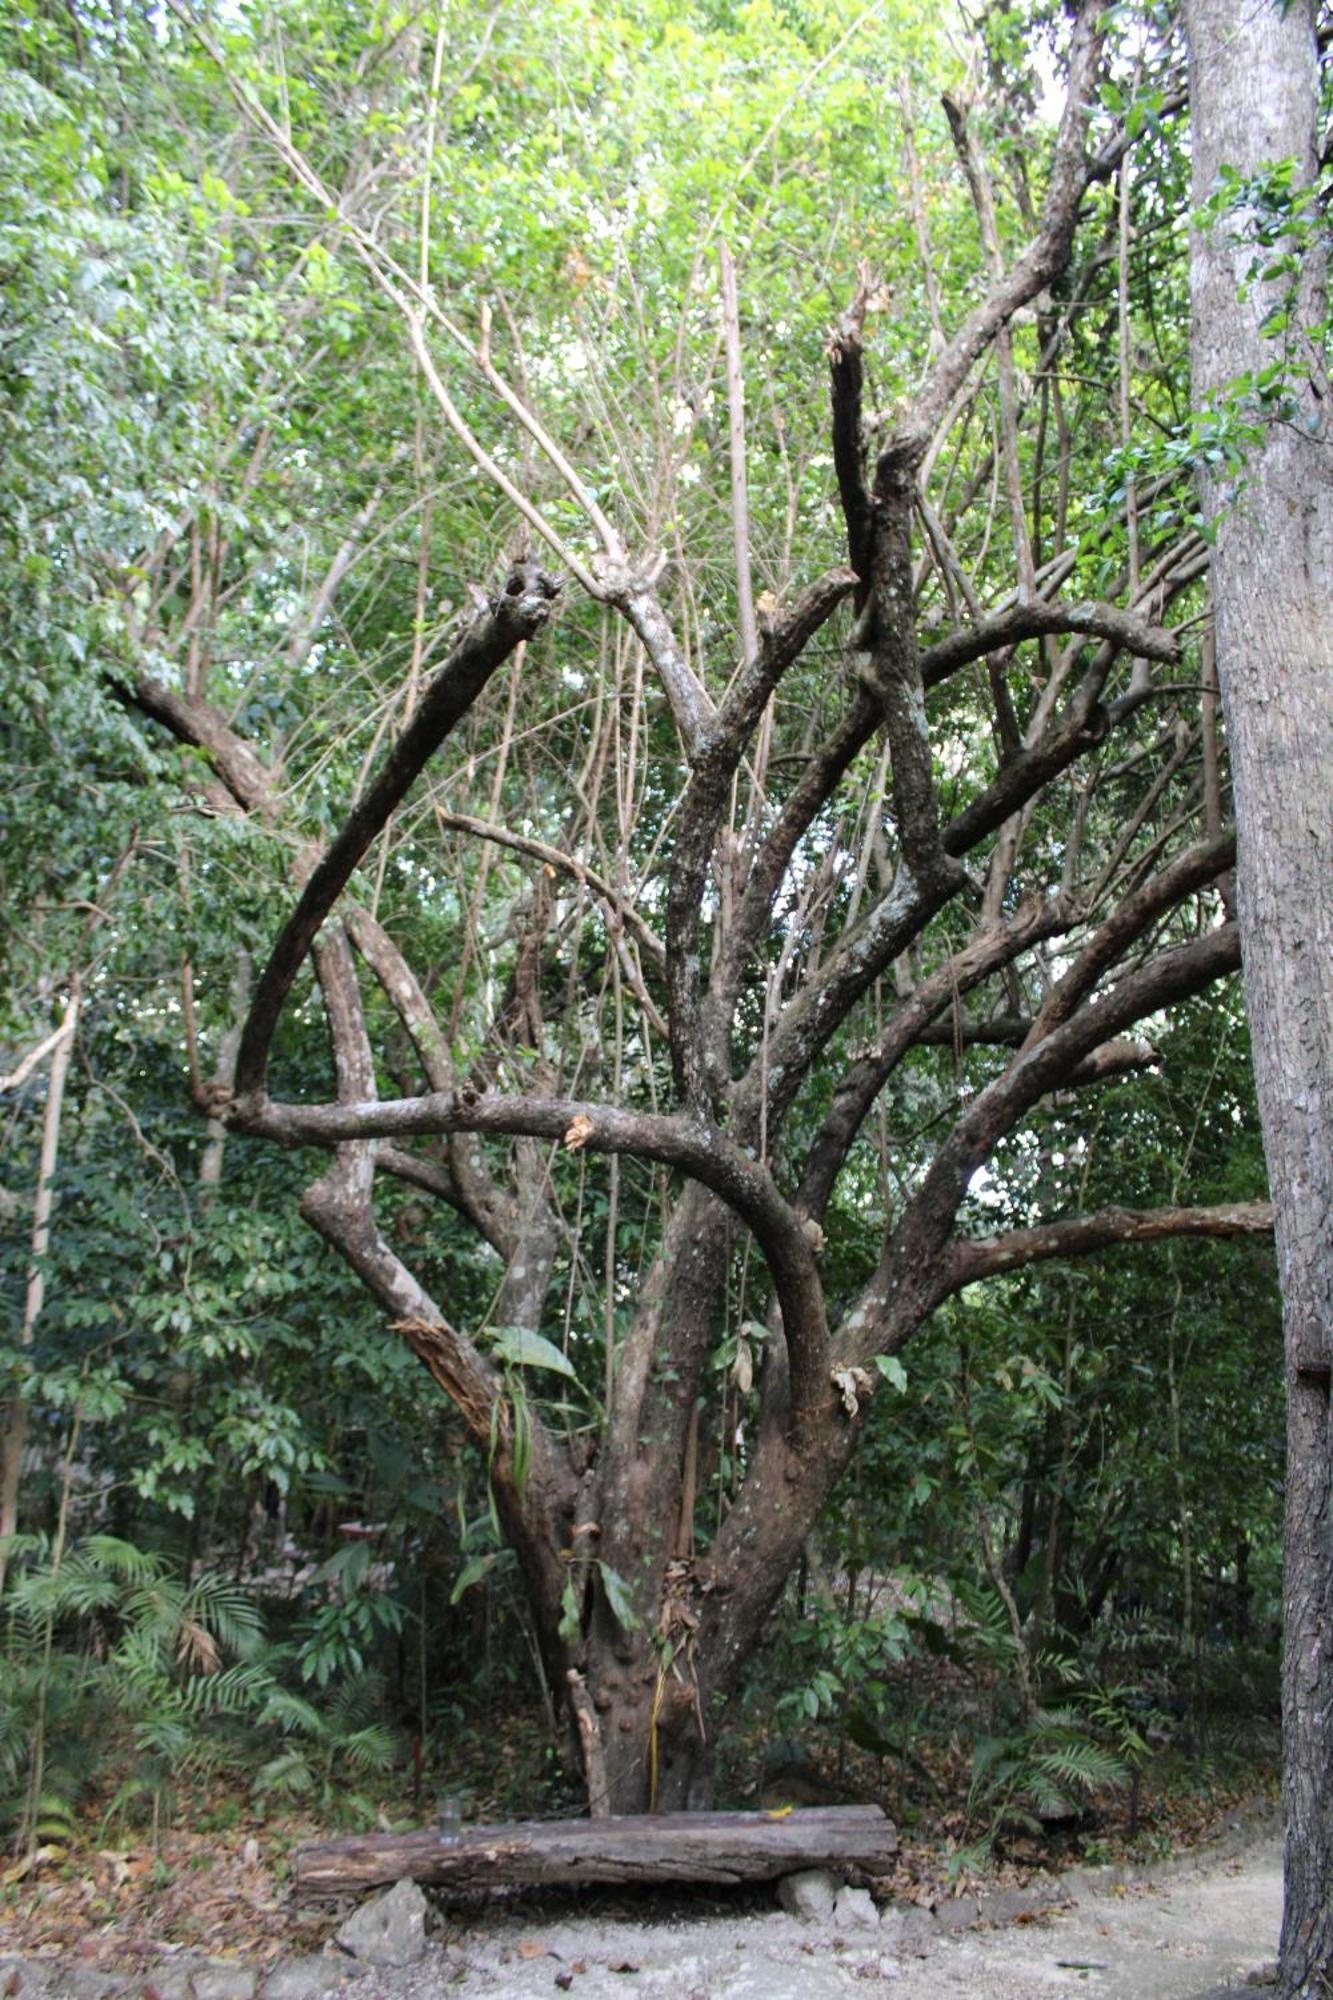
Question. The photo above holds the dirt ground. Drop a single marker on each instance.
(1191, 1932)
(1189, 1929)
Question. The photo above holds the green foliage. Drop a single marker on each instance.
(118, 1680)
(328, 1753)
(344, 1631)
(1047, 1769)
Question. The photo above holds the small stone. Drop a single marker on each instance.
(82, 1983)
(25, 1978)
(958, 1913)
(305, 1979)
(250, 1853)
(809, 1894)
(169, 1982)
(223, 1982)
(390, 1929)
(854, 1909)
(917, 1932)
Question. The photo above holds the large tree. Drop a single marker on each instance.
(824, 893)
(1259, 349)
(795, 868)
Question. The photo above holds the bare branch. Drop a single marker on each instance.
(619, 912)
(1129, 921)
(520, 610)
(1039, 263)
(701, 815)
(982, 1257)
(997, 943)
(1121, 1056)
(845, 382)
(691, 704)
(1173, 975)
(740, 502)
(18, 1076)
(818, 783)
(1037, 620)
(191, 720)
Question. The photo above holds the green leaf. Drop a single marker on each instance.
(618, 1598)
(474, 1570)
(521, 1348)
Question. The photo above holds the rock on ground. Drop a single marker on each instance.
(809, 1894)
(854, 1909)
(389, 1930)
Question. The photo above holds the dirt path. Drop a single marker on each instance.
(1191, 1932)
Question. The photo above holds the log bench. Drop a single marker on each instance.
(643, 1848)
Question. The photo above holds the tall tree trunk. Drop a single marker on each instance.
(1253, 90)
(15, 1438)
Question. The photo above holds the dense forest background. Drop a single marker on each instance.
(252, 1538)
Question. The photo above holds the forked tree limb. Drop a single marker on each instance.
(1171, 976)
(818, 782)
(1128, 922)
(341, 1206)
(472, 1188)
(996, 944)
(701, 814)
(693, 1145)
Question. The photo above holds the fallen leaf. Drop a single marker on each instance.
(533, 1948)
(625, 1965)
(31, 1861)
(780, 1812)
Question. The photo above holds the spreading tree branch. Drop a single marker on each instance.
(981, 1257)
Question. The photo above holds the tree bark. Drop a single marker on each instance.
(1254, 94)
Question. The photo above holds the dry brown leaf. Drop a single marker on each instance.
(533, 1948)
(196, 1649)
(31, 1861)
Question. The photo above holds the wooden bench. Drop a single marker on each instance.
(659, 1847)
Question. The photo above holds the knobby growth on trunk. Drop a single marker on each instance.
(909, 813)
